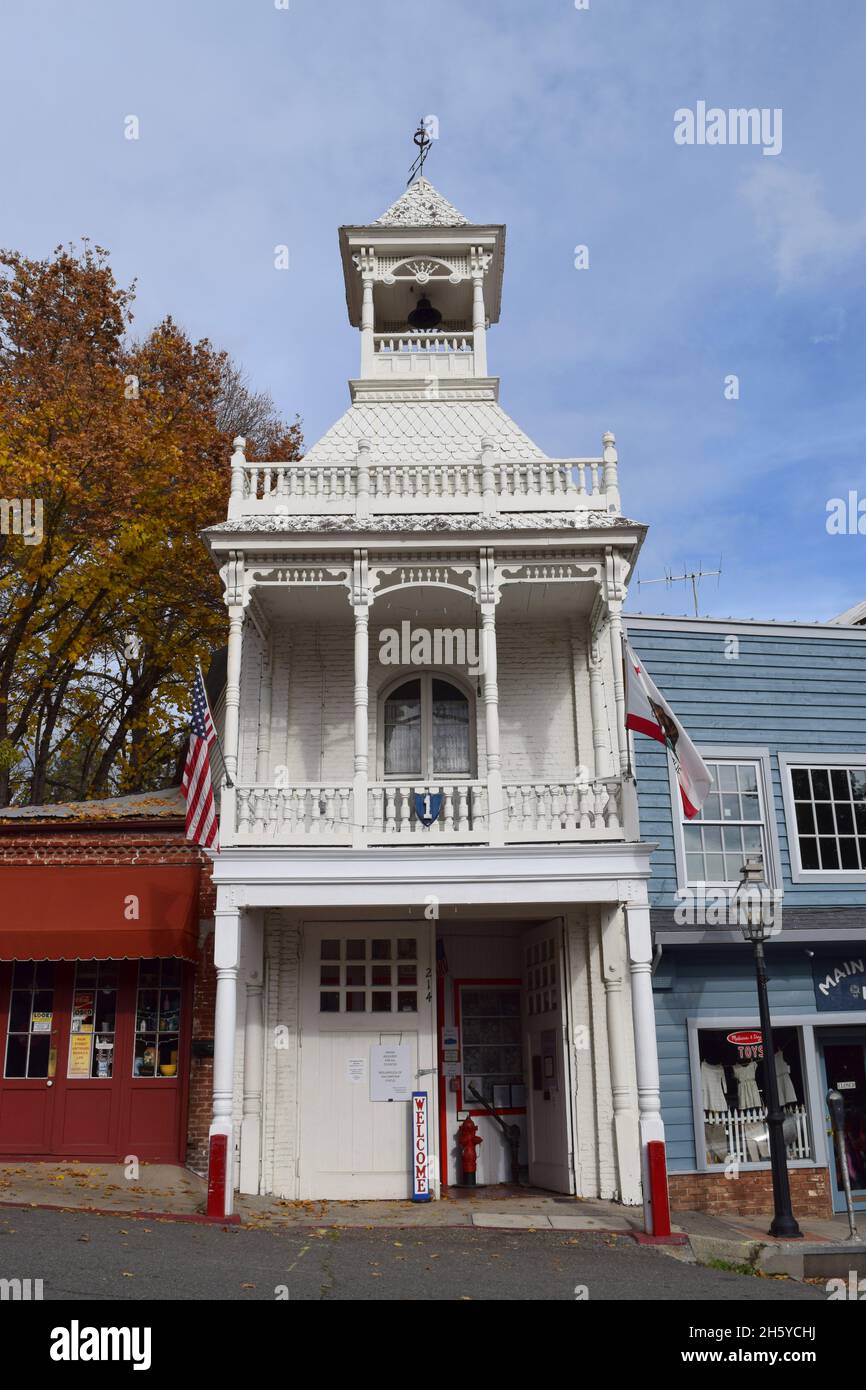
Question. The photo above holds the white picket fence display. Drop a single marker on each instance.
(737, 1122)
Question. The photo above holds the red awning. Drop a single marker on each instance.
(60, 912)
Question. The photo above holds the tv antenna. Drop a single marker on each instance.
(695, 576)
(423, 141)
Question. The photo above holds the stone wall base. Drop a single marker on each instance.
(751, 1194)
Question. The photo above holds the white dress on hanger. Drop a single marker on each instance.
(714, 1086)
(748, 1095)
(787, 1094)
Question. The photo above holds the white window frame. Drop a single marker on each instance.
(787, 761)
(731, 753)
(427, 774)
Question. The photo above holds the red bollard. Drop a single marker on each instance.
(216, 1175)
(658, 1185)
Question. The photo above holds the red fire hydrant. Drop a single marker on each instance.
(468, 1140)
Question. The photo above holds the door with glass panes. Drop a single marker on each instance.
(548, 1095)
(94, 1059)
(363, 988)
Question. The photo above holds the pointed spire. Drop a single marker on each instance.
(421, 205)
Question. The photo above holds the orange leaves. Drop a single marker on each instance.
(127, 446)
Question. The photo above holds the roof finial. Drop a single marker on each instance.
(423, 141)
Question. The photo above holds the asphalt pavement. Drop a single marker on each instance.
(81, 1256)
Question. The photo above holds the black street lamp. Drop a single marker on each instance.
(755, 914)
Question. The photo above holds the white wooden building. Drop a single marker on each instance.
(427, 606)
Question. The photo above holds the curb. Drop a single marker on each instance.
(195, 1218)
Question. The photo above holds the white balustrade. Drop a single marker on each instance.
(331, 489)
(562, 811)
(322, 813)
(296, 814)
(393, 813)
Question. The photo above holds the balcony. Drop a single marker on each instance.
(432, 354)
(312, 814)
(484, 486)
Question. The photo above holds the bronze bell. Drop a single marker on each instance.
(424, 317)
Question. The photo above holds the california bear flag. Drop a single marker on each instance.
(648, 712)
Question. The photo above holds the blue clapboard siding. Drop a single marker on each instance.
(789, 692)
(712, 981)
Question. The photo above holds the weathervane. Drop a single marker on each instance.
(423, 141)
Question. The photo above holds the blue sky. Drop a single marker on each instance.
(261, 126)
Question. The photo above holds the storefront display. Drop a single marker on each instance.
(732, 1079)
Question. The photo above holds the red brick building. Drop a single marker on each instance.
(106, 982)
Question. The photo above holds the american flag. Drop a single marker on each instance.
(201, 818)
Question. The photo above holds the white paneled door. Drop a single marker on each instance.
(548, 1094)
(367, 1001)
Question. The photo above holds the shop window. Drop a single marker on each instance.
(830, 816)
(29, 1049)
(368, 975)
(733, 1094)
(731, 826)
(93, 1023)
(491, 1036)
(157, 1019)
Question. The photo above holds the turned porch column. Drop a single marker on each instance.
(368, 346)
(620, 741)
(233, 686)
(618, 1041)
(650, 1122)
(362, 664)
(490, 692)
(254, 1051)
(479, 313)
(263, 750)
(226, 962)
(600, 727)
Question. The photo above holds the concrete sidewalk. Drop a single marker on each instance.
(172, 1192)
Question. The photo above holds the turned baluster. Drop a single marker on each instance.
(259, 814)
(243, 811)
(330, 811)
(462, 807)
(612, 808)
(601, 799)
(447, 812)
(476, 807)
(570, 806)
(377, 813)
(511, 792)
(315, 811)
(405, 809)
(542, 815)
(344, 794)
(585, 803)
(390, 811)
(274, 817)
(528, 808)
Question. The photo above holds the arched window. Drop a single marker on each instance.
(427, 730)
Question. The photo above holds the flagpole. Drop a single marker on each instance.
(226, 775)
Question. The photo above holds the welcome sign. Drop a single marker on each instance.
(420, 1148)
(839, 983)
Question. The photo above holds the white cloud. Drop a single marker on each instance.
(805, 238)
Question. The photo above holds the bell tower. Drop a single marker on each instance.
(423, 285)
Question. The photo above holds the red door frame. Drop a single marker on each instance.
(122, 1083)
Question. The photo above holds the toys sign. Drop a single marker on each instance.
(420, 1151)
(748, 1042)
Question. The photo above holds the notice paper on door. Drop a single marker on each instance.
(390, 1071)
(356, 1070)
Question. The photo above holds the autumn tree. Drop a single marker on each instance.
(106, 604)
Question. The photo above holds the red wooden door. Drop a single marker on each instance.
(32, 996)
(93, 1055)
